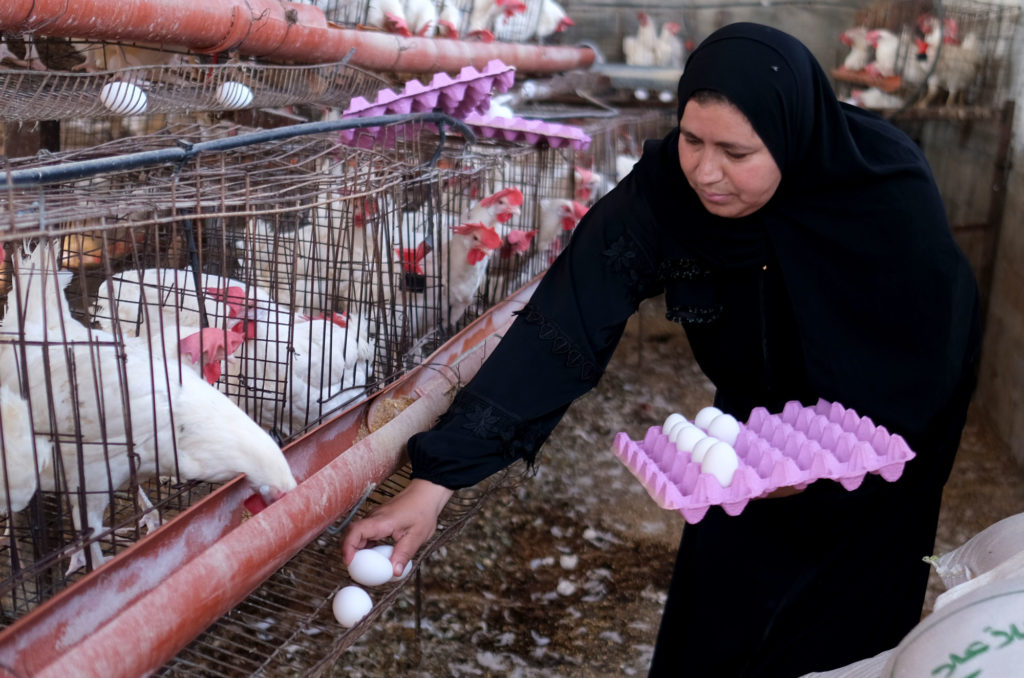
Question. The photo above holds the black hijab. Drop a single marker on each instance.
(883, 297)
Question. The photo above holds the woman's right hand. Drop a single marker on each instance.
(410, 518)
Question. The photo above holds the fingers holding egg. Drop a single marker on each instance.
(370, 568)
(386, 550)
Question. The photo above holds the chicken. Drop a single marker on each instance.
(875, 99)
(286, 369)
(886, 45)
(859, 56)
(955, 70)
(486, 12)
(421, 17)
(669, 51)
(452, 274)
(29, 59)
(552, 18)
(449, 20)
(496, 209)
(558, 216)
(639, 48)
(116, 397)
(389, 16)
(298, 369)
(25, 456)
(164, 310)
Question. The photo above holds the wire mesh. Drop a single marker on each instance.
(295, 276)
(171, 82)
(269, 271)
(286, 627)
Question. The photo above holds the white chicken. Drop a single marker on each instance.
(108, 398)
(486, 12)
(389, 16)
(955, 70)
(886, 45)
(669, 51)
(421, 17)
(449, 20)
(289, 371)
(639, 48)
(25, 456)
(552, 18)
(558, 217)
(859, 56)
(451, 274)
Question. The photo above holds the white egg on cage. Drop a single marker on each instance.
(232, 94)
(124, 98)
(350, 605)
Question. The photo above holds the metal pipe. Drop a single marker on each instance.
(133, 614)
(274, 29)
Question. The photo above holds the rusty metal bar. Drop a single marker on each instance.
(273, 29)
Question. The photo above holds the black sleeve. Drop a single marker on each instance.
(555, 350)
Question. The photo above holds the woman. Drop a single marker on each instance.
(803, 246)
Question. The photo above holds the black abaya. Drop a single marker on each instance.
(847, 286)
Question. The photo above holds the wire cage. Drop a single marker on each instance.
(250, 292)
(170, 82)
(450, 18)
(941, 56)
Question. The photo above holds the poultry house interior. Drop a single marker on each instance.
(243, 260)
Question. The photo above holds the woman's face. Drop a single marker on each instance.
(724, 160)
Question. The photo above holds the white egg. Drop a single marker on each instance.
(675, 427)
(350, 605)
(724, 427)
(706, 416)
(701, 447)
(721, 461)
(124, 98)
(672, 420)
(370, 568)
(686, 437)
(387, 550)
(233, 94)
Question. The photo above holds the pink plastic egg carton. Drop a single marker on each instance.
(467, 92)
(528, 131)
(791, 449)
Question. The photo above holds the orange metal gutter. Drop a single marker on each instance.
(133, 614)
(273, 29)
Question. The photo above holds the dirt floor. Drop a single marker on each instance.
(565, 573)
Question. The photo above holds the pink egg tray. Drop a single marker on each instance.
(528, 131)
(467, 92)
(791, 449)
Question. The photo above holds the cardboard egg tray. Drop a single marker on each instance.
(791, 449)
(528, 131)
(467, 96)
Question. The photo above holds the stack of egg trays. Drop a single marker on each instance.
(791, 449)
